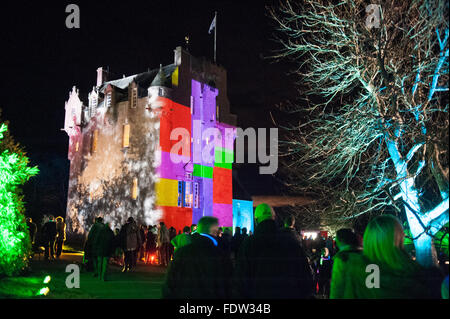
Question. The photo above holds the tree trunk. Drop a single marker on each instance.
(425, 251)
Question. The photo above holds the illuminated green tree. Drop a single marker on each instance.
(371, 135)
(14, 236)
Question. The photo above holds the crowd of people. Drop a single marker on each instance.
(278, 263)
(154, 244)
(51, 236)
(207, 261)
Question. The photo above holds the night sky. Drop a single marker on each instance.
(42, 60)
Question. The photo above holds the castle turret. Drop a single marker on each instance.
(160, 87)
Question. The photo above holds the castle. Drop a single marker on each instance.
(127, 158)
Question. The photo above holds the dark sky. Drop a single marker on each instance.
(41, 59)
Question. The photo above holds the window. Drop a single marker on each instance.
(180, 193)
(217, 112)
(126, 135)
(187, 194)
(196, 195)
(134, 190)
(92, 105)
(94, 141)
(77, 145)
(184, 194)
(108, 99)
(134, 96)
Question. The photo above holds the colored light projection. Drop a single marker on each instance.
(222, 175)
(201, 185)
(243, 214)
(203, 104)
(173, 175)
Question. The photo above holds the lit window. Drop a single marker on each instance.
(108, 100)
(184, 194)
(134, 98)
(94, 141)
(180, 193)
(187, 194)
(134, 190)
(196, 195)
(126, 135)
(77, 146)
(92, 105)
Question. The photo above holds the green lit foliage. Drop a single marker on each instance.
(14, 238)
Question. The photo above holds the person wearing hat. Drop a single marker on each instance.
(270, 264)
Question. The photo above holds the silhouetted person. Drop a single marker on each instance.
(32, 229)
(172, 235)
(289, 229)
(102, 249)
(329, 245)
(236, 241)
(89, 247)
(131, 241)
(183, 239)
(118, 250)
(163, 243)
(271, 265)
(444, 288)
(150, 244)
(200, 269)
(225, 242)
(325, 264)
(141, 249)
(400, 277)
(348, 254)
(60, 235)
(49, 236)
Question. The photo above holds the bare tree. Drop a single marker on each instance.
(374, 130)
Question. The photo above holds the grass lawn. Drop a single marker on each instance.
(143, 283)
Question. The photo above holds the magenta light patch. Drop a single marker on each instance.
(171, 170)
(224, 212)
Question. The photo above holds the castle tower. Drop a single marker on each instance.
(137, 148)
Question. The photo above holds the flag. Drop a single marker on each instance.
(213, 25)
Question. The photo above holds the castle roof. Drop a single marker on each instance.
(156, 77)
(161, 79)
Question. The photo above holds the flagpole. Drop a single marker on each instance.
(215, 38)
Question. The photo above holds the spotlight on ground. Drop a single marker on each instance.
(44, 291)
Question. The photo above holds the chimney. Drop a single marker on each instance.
(101, 76)
(177, 57)
(181, 56)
